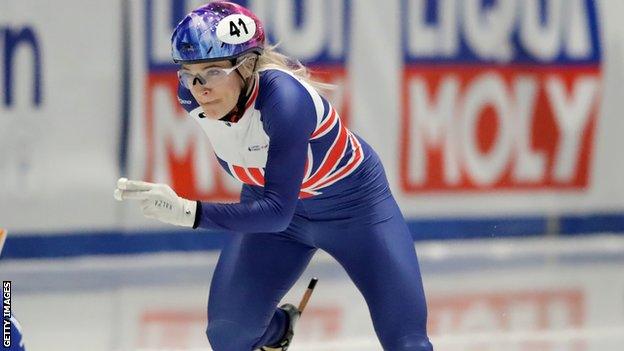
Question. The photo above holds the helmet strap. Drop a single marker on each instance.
(238, 110)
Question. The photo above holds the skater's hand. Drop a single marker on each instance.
(158, 201)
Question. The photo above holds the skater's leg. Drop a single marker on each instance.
(254, 272)
(381, 260)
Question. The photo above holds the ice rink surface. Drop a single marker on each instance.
(538, 294)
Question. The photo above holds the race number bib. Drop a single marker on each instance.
(236, 29)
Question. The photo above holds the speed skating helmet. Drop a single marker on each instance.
(216, 31)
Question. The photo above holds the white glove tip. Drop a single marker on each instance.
(121, 183)
(118, 194)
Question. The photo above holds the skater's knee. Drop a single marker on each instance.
(412, 342)
(225, 335)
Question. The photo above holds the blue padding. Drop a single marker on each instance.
(462, 228)
(118, 242)
(583, 224)
(109, 243)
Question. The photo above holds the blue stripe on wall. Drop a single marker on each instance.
(579, 224)
(118, 242)
(463, 228)
(56, 245)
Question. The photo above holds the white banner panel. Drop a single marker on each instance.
(59, 114)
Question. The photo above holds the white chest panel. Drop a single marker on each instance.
(243, 143)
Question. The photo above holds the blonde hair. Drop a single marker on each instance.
(271, 58)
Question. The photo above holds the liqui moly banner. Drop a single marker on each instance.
(499, 95)
(505, 108)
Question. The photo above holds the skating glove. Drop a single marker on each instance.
(158, 201)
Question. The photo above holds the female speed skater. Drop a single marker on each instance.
(308, 183)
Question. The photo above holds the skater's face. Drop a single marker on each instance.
(215, 85)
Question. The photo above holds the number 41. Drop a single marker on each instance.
(235, 30)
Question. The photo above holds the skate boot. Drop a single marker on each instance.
(293, 315)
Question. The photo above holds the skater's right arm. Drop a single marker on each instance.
(289, 118)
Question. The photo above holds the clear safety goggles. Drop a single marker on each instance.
(209, 77)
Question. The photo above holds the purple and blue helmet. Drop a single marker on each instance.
(217, 31)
